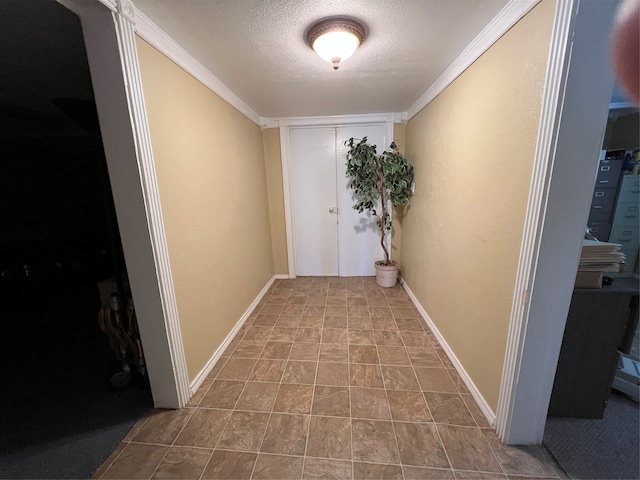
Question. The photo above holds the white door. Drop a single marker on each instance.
(359, 239)
(330, 238)
(313, 153)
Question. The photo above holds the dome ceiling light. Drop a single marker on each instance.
(335, 39)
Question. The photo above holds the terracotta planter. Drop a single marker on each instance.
(387, 275)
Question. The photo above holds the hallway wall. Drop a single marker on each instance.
(473, 148)
(212, 180)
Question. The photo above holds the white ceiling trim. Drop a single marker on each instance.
(335, 120)
(157, 37)
(507, 18)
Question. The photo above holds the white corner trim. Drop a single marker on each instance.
(271, 122)
(149, 181)
(501, 23)
(200, 377)
(482, 403)
(559, 56)
(153, 34)
(287, 193)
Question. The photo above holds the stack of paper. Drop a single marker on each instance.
(596, 259)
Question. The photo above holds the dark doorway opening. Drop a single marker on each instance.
(61, 417)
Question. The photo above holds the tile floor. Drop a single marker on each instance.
(332, 378)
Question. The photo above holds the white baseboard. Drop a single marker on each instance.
(195, 384)
(484, 406)
(281, 276)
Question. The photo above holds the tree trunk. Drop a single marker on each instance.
(383, 211)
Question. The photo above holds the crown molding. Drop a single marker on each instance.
(335, 120)
(153, 34)
(501, 23)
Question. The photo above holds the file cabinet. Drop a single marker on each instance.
(625, 227)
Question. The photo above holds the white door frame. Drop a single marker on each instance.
(577, 91)
(285, 125)
(109, 34)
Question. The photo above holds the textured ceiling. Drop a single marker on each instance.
(256, 48)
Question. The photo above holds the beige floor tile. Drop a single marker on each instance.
(399, 378)
(443, 357)
(272, 467)
(435, 380)
(316, 300)
(257, 333)
(457, 380)
(376, 471)
(334, 353)
(163, 426)
(136, 461)
(377, 301)
(336, 310)
(449, 408)
(408, 406)
(420, 473)
(280, 334)
(467, 449)
(369, 403)
(313, 311)
(384, 323)
(299, 372)
(374, 441)
(268, 316)
(409, 324)
(268, 371)
(322, 468)
(337, 300)
(357, 302)
(222, 394)
(388, 337)
(309, 335)
(475, 410)
(225, 465)
(305, 351)
(182, 463)
(248, 349)
(257, 396)
(293, 309)
(358, 319)
(237, 369)
(312, 321)
(331, 401)
(244, 431)
(393, 356)
(293, 398)
(200, 393)
(419, 445)
(363, 354)
(329, 438)
(336, 374)
(466, 475)
(286, 434)
(361, 337)
(276, 350)
(403, 311)
(379, 312)
(335, 335)
(424, 357)
(333, 321)
(204, 428)
(290, 321)
(364, 375)
(416, 339)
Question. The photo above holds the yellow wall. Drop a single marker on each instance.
(473, 148)
(273, 163)
(211, 175)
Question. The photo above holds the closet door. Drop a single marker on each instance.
(313, 158)
(359, 241)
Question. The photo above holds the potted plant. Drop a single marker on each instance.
(379, 182)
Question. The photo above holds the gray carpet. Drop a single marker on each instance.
(605, 448)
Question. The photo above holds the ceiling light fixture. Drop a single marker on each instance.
(335, 39)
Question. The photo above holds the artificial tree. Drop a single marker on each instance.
(376, 180)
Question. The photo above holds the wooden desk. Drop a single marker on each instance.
(601, 321)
